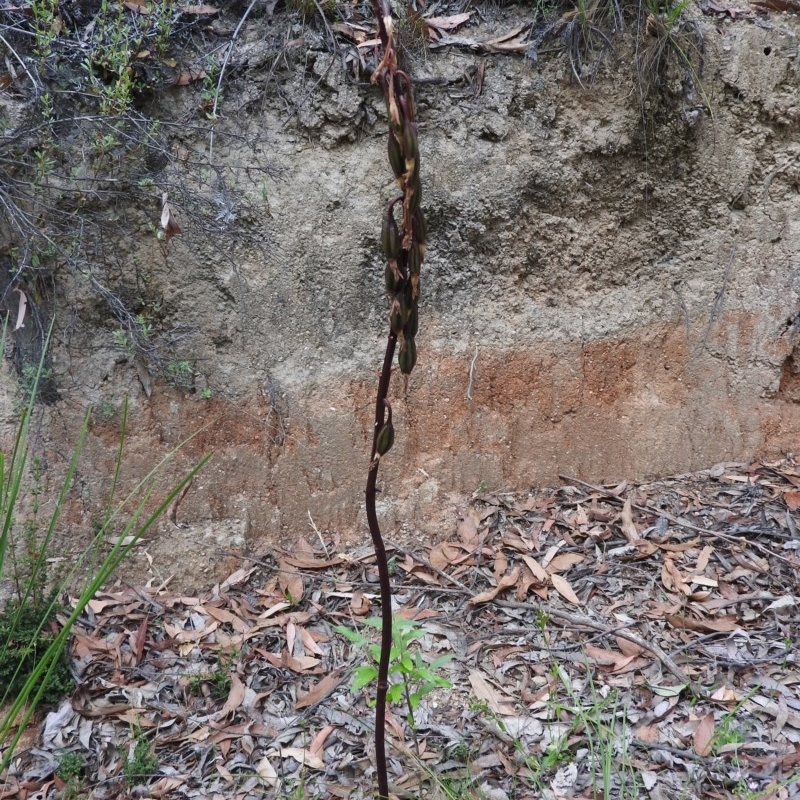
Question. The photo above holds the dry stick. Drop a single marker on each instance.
(688, 525)
(582, 621)
(222, 74)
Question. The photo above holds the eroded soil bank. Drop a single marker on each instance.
(610, 290)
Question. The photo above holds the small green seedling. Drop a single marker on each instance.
(411, 675)
(142, 765)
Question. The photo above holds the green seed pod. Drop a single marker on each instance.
(408, 299)
(396, 160)
(420, 226)
(385, 440)
(407, 357)
(413, 259)
(390, 278)
(411, 328)
(398, 313)
(390, 235)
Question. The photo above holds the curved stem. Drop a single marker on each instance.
(383, 576)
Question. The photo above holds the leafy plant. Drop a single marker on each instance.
(32, 646)
(669, 40)
(588, 719)
(218, 679)
(71, 770)
(180, 374)
(26, 632)
(71, 765)
(142, 763)
(415, 675)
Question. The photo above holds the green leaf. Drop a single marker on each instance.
(363, 676)
(354, 636)
(395, 693)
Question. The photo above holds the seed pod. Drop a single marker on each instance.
(390, 235)
(408, 298)
(407, 357)
(385, 440)
(396, 160)
(415, 196)
(398, 313)
(390, 278)
(413, 259)
(410, 146)
(420, 226)
(411, 328)
(414, 281)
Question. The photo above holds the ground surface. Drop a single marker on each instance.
(623, 642)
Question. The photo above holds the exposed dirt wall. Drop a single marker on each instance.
(597, 300)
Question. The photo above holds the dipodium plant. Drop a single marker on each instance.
(403, 239)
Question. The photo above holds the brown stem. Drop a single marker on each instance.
(383, 576)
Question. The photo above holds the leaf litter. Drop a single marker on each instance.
(622, 641)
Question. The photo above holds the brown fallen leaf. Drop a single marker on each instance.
(360, 604)
(200, 10)
(449, 23)
(608, 658)
(267, 772)
(443, 555)
(629, 529)
(538, 571)
(294, 663)
(673, 578)
(137, 7)
(187, 76)
(718, 625)
(703, 735)
(171, 228)
(504, 583)
(563, 562)
(792, 500)
(497, 703)
(235, 696)
(319, 691)
(290, 582)
(703, 558)
(467, 528)
(562, 586)
(319, 740)
(303, 561)
(222, 615)
(628, 647)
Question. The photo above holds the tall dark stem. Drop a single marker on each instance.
(404, 248)
(383, 576)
